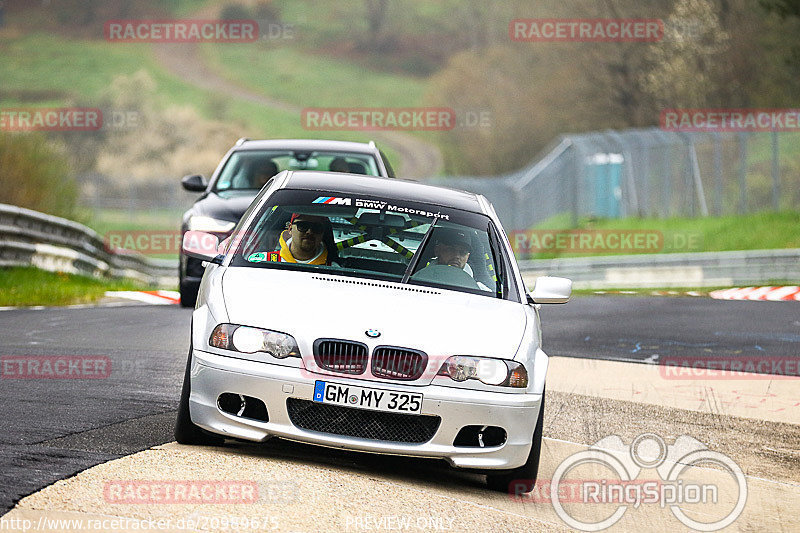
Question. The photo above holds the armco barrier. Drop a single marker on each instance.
(51, 243)
(31, 238)
(697, 269)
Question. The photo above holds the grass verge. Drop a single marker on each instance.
(757, 231)
(23, 286)
(325, 82)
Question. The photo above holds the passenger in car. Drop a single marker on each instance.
(304, 241)
(357, 168)
(263, 172)
(339, 164)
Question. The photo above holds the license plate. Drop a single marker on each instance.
(367, 398)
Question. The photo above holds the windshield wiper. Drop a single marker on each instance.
(415, 260)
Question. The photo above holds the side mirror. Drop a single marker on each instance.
(203, 246)
(551, 290)
(194, 183)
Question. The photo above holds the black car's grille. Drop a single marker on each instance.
(347, 357)
(398, 363)
(361, 423)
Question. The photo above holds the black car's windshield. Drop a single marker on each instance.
(251, 169)
(379, 238)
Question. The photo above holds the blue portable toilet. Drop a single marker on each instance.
(604, 174)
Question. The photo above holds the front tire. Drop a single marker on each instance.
(186, 431)
(521, 480)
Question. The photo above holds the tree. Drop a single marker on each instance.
(686, 65)
(152, 142)
(376, 18)
(787, 10)
(783, 8)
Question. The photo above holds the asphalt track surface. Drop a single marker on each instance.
(652, 329)
(53, 429)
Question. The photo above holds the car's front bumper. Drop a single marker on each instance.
(212, 375)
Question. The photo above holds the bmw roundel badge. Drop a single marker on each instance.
(374, 333)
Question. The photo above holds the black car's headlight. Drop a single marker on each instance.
(210, 225)
(246, 339)
(486, 370)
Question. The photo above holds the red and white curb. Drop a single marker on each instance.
(772, 294)
(148, 297)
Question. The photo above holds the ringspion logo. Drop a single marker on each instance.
(701, 503)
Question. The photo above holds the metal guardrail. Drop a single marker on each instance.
(697, 269)
(28, 237)
(31, 238)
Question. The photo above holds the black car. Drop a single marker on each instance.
(242, 173)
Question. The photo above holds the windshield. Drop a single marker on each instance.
(374, 238)
(251, 169)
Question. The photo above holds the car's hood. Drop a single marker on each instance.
(311, 306)
(230, 205)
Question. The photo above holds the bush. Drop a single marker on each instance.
(264, 11)
(35, 175)
(80, 18)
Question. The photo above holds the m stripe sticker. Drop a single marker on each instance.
(332, 200)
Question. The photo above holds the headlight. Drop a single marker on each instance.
(209, 224)
(485, 370)
(245, 339)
